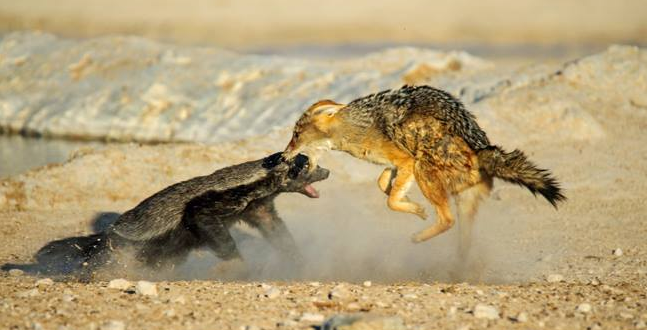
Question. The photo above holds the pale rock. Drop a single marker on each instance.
(119, 284)
(44, 282)
(367, 284)
(146, 288)
(16, 272)
(554, 278)
(339, 292)
(482, 311)
(179, 300)
(618, 252)
(113, 325)
(362, 322)
(522, 317)
(272, 293)
(311, 317)
(584, 308)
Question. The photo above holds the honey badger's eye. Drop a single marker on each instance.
(301, 161)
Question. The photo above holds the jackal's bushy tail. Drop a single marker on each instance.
(514, 167)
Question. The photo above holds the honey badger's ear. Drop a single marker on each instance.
(273, 160)
(325, 107)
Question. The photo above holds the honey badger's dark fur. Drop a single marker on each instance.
(425, 134)
(165, 227)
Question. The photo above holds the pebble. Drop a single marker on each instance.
(339, 292)
(522, 317)
(37, 326)
(314, 284)
(358, 322)
(617, 252)
(28, 293)
(169, 312)
(584, 308)
(16, 272)
(113, 325)
(367, 284)
(249, 327)
(179, 300)
(272, 293)
(353, 307)
(410, 296)
(641, 325)
(44, 282)
(482, 311)
(626, 316)
(67, 297)
(554, 278)
(311, 317)
(265, 286)
(119, 284)
(146, 288)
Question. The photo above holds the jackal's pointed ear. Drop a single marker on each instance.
(326, 107)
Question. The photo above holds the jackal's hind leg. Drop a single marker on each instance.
(434, 191)
(397, 200)
(384, 181)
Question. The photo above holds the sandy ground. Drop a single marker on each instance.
(252, 24)
(348, 237)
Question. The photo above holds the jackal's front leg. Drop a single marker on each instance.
(400, 185)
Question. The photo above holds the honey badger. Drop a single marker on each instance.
(424, 134)
(198, 212)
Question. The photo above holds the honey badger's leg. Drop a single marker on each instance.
(397, 200)
(434, 191)
(467, 203)
(384, 181)
(214, 232)
(263, 216)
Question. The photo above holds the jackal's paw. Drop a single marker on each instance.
(418, 238)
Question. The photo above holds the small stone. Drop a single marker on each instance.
(479, 292)
(314, 284)
(272, 293)
(626, 316)
(28, 293)
(169, 312)
(265, 286)
(113, 325)
(522, 317)
(482, 311)
(37, 326)
(554, 278)
(68, 297)
(16, 272)
(179, 300)
(339, 292)
(584, 308)
(44, 282)
(249, 327)
(410, 296)
(120, 284)
(367, 284)
(617, 252)
(146, 288)
(641, 325)
(311, 317)
(595, 282)
(353, 307)
(359, 322)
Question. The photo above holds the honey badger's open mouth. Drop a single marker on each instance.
(310, 191)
